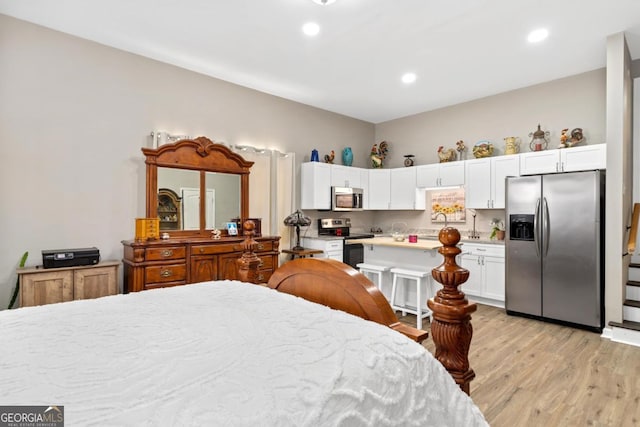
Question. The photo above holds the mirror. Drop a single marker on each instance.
(224, 191)
(194, 186)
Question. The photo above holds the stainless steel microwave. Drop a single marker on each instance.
(346, 199)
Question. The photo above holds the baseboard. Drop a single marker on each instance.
(622, 335)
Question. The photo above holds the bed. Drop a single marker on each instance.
(230, 353)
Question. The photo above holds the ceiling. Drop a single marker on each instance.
(459, 50)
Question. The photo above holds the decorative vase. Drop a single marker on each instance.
(347, 156)
(314, 155)
(500, 234)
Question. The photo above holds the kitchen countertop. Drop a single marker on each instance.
(424, 243)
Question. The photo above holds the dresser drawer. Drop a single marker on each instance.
(169, 252)
(216, 249)
(263, 276)
(264, 246)
(266, 262)
(165, 273)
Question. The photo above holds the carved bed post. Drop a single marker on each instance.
(451, 328)
(249, 262)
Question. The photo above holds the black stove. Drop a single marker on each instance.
(352, 253)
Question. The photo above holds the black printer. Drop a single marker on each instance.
(56, 258)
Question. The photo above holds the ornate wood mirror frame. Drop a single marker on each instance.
(201, 155)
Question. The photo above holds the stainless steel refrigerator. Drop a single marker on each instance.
(555, 247)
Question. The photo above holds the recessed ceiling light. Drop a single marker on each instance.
(538, 35)
(324, 2)
(311, 29)
(408, 78)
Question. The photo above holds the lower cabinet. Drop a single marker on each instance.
(163, 263)
(48, 286)
(486, 272)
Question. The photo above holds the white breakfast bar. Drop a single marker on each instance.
(484, 260)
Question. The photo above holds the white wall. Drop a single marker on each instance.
(74, 115)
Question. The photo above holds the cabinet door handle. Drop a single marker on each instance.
(260, 277)
(166, 273)
(167, 252)
(261, 264)
(562, 166)
(481, 250)
(260, 246)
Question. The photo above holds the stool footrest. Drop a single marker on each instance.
(372, 267)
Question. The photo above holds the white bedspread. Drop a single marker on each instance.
(221, 354)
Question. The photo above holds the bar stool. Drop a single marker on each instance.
(371, 270)
(416, 276)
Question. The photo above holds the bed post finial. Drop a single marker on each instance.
(249, 262)
(451, 328)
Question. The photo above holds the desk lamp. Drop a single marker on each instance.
(297, 220)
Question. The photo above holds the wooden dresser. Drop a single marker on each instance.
(180, 261)
(40, 286)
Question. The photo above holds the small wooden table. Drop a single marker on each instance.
(301, 253)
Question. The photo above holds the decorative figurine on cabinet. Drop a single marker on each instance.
(378, 154)
(540, 140)
(328, 158)
(448, 155)
(576, 137)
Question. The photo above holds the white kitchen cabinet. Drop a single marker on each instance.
(331, 248)
(440, 175)
(379, 189)
(345, 176)
(588, 157)
(486, 265)
(485, 181)
(315, 188)
(403, 189)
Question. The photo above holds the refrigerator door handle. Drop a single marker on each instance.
(536, 237)
(546, 227)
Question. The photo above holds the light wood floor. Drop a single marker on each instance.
(532, 373)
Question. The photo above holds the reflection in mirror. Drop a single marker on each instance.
(178, 199)
(223, 199)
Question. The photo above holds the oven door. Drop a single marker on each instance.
(353, 253)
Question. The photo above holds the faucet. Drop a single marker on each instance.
(445, 217)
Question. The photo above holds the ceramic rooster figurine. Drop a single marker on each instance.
(328, 158)
(447, 155)
(378, 154)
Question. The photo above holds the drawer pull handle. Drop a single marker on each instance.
(260, 277)
(166, 273)
(260, 246)
(201, 250)
(167, 252)
(261, 264)
(481, 250)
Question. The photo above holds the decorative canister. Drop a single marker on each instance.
(347, 156)
(413, 238)
(314, 155)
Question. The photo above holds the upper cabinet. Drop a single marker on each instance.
(379, 189)
(315, 191)
(440, 175)
(587, 157)
(485, 180)
(345, 176)
(403, 189)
